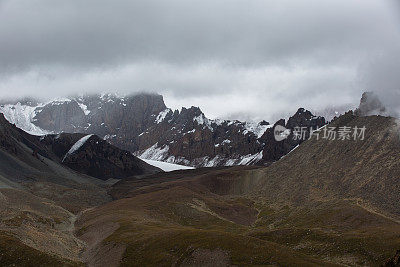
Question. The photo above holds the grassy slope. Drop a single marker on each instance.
(15, 253)
(168, 226)
(335, 199)
(338, 231)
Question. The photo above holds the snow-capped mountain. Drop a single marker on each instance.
(144, 125)
(22, 116)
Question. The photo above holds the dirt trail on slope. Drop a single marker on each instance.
(39, 223)
(359, 203)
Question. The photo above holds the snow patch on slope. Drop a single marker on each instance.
(256, 128)
(84, 108)
(77, 146)
(22, 116)
(160, 154)
(221, 161)
(202, 120)
(161, 116)
(211, 162)
(155, 153)
(165, 166)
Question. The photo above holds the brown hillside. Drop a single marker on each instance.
(366, 171)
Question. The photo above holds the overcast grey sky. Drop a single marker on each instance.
(233, 58)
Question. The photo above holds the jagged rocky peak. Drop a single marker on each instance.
(304, 117)
(370, 104)
(193, 116)
(276, 149)
(187, 118)
(191, 112)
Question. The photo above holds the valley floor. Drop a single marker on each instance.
(198, 221)
(192, 222)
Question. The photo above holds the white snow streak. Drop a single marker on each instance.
(77, 146)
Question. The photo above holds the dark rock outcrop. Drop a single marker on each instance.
(299, 126)
(370, 105)
(96, 157)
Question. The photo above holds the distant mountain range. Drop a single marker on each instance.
(145, 126)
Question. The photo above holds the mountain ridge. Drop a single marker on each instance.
(143, 125)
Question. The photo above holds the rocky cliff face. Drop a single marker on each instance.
(118, 119)
(143, 125)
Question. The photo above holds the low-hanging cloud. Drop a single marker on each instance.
(228, 56)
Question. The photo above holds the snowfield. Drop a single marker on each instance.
(165, 166)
